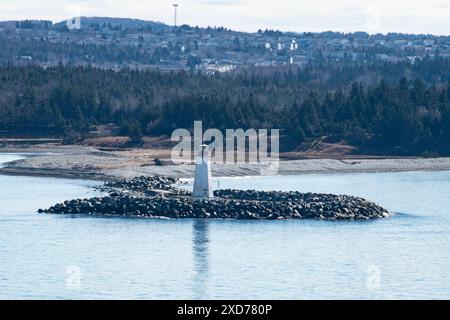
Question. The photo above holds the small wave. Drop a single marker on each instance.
(404, 215)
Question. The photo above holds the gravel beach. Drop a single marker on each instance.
(103, 164)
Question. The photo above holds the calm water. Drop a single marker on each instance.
(405, 256)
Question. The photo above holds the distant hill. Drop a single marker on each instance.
(117, 43)
(27, 24)
(127, 23)
(388, 93)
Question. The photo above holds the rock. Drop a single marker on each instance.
(142, 197)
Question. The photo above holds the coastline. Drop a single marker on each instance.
(83, 162)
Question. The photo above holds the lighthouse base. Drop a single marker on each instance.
(202, 183)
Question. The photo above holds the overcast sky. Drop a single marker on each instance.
(408, 16)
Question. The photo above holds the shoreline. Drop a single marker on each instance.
(101, 177)
(89, 163)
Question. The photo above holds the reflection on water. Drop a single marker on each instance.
(200, 239)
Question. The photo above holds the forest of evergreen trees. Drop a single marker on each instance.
(398, 108)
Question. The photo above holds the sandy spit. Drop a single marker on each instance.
(92, 163)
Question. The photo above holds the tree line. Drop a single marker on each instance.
(388, 108)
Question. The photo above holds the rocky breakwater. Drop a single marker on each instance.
(144, 186)
(309, 205)
(157, 197)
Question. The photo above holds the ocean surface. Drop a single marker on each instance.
(406, 256)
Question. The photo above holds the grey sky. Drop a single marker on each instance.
(408, 16)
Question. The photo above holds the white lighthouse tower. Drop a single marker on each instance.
(202, 183)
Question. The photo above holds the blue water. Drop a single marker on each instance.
(61, 257)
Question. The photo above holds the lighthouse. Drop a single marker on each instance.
(202, 183)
